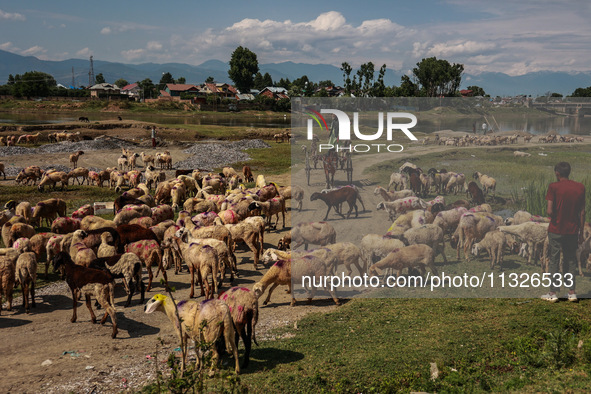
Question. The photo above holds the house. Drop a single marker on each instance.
(245, 97)
(175, 89)
(132, 90)
(221, 90)
(274, 92)
(104, 89)
(466, 93)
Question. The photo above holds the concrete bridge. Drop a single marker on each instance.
(566, 108)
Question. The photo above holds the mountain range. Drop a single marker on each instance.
(494, 83)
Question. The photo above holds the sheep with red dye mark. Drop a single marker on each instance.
(65, 225)
(411, 257)
(83, 211)
(162, 213)
(150, 253)
(8, 259)
(244, 308)
(144, 221)
(396, 207)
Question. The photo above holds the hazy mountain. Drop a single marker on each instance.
(537, 83)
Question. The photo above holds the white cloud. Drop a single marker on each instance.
(154, 46)
(449, 49)
(34, 50)
(133, 54)
(12, 16)
(84, 52)
(7, 46)
(331, 20)
(106, 30)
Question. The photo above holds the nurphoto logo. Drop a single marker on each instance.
(339, 130)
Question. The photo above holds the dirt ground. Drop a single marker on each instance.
(48, 353)
(45, 352)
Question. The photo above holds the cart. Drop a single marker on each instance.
(331, 163)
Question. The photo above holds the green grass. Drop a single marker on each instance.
(271, 161)
(517, 177)
(75, 196)
(387, 345)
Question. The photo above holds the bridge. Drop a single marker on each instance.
(566, 108)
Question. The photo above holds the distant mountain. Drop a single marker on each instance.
(537, 83)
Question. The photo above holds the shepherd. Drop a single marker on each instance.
(153, 137)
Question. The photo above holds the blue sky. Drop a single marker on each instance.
(498, 36)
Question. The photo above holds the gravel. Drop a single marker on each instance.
(100, 143)
(212, 155)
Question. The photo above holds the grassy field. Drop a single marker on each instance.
(517, 177)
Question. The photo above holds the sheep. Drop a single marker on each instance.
(261, 182)
(401, 206)
(48, 210)
(178, 194)
(284, 242)
(524, 217)
(144, 221)
(429, 234)
(31, 173)
(455, 183)
(449, 220)
(147, 159)
(481, 208)
(165, 160)
(24, 209)
(2, 170)
(80, 172)
(225, 254)
(375, 246)
(7, 275)
(259, 224)
(80, 253)
(130, 212)
(488, 183)
(65, 225)
(87, 281)
(132, 161)
(122, 163)
(297, 194)
(494, 242)
(39, 247)
(83, 211)
(203, 259)
(6, 227)
(521, 154)
(161, 213)
(126, 266)
(52, 179)
(315, 233)
(475, 192)
(106, 249)
(74, 158)
(411, 257)
(348, 254)
(20, 230)
(280, 273)
(274, 255)
(405, 221)
(26, 275)
(161, 228)
(335, 198)
(472, 228)
(531, 233)
(275, 206)
(244, 308)
(247, 174)
(398, 179)
(248, 234)
(204, 322)
(150, 253)
(92, 222)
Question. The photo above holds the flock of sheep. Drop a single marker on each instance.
(489, 140)
(215, 212)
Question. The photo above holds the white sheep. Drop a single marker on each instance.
(315, 233)
(411, 257)
(374, 247)
(429, 234)
(488, 183)
(394, 208)
(521, 154)
(106, 249)
(398, 179)
(532, 233)
(472, 228)
(494, 242)
(449, 220)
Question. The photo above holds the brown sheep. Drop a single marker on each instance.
(74, 158)
(7, 274)
(150, 253)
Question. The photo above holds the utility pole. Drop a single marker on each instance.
(91, 74)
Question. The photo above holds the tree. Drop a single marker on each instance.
(477, 90)
(243, 66)
(166, 79)
(121, 83)
(556, 95)
(284, 83)
(267, 80)
(181, 81)
(346, 69)
(582, 92)
(33, 83)
(209, 80)
(438, 77)
(99, 78)
(258, 82)
(147, 87)
(407, 87)
(379, 88)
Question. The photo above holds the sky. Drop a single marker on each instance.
(486, 36)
